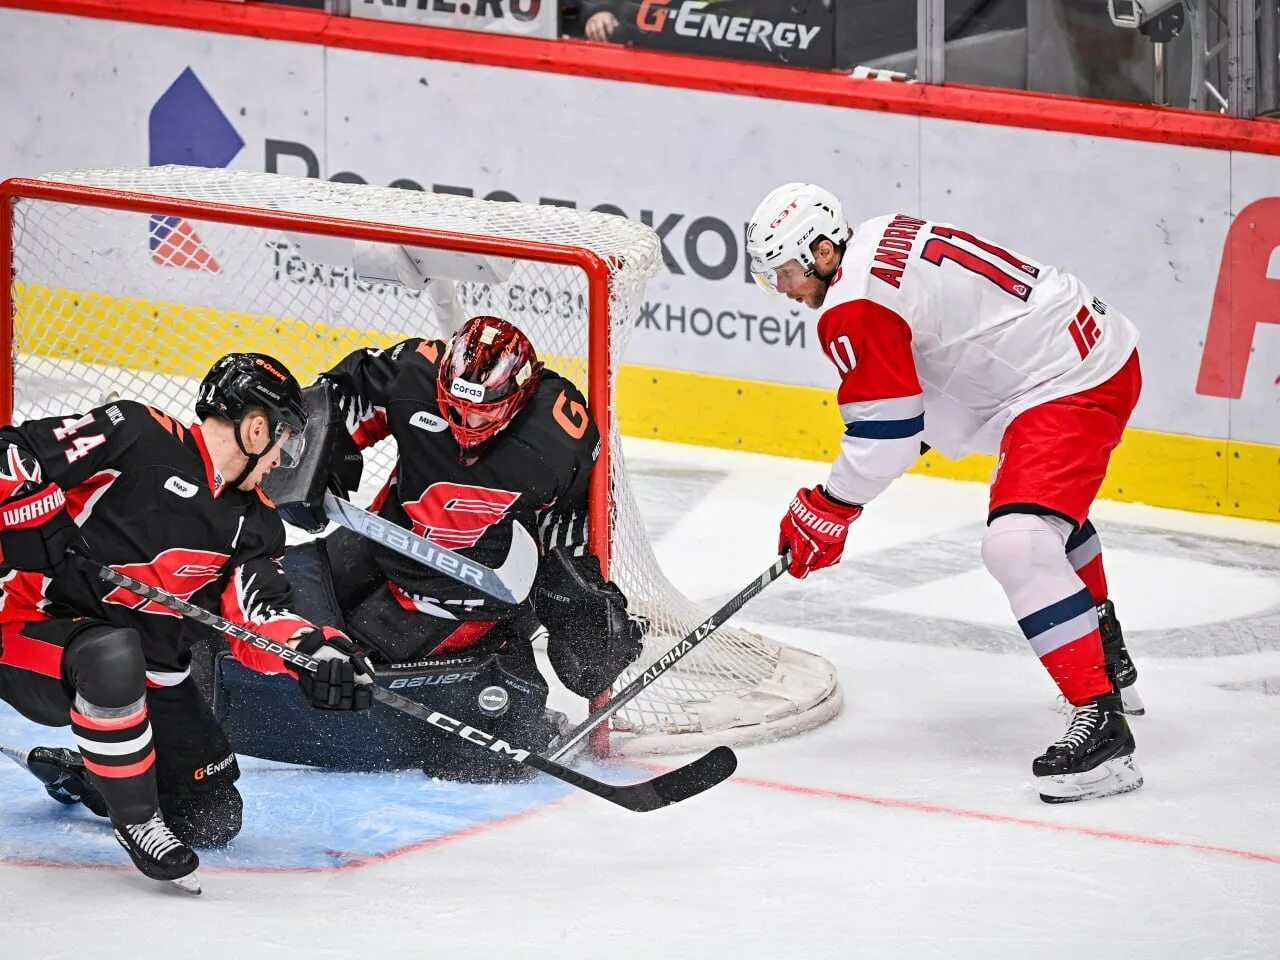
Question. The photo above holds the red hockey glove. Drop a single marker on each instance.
(814, 529)
(343, 679)
(35, 529)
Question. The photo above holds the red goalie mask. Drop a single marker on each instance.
(487, 374)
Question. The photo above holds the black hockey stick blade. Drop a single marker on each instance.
(688, 781)
(661, 791)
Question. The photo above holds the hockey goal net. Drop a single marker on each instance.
(132, 281)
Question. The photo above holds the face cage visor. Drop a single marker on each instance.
(767, 277)
(292, 443)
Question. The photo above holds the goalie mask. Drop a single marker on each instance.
(785, 226)
(240, 383)
(487, 375)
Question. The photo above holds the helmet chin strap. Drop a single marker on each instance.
(826, 278)
(251, 461)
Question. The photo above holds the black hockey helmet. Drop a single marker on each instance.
(241, 382)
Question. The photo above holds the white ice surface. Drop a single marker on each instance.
(906, 828)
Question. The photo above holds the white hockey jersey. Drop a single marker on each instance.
(942, 336)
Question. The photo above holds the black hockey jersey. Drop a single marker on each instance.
(536, 471)
(150, 503)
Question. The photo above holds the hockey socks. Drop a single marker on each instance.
(1084, 551)
(115, 744)
(1065, 636)
(1055, 610)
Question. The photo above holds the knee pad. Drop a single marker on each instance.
(209, 819)
(1019, 548)
(105, 666)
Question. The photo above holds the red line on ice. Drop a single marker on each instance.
(920, 806)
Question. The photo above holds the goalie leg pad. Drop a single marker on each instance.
(592, 637)
(265, 716)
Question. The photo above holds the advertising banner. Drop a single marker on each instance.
(526, 18)
(796, 32)
(1186, 241)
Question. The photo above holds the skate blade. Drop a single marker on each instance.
(1131, 701)
(190, 884)
(1105, 780)
(17, 756)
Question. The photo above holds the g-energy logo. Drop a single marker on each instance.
(688, 19)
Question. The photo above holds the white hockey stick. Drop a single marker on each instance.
(510, 582)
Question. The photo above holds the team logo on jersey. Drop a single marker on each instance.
(456, 515)
(178, 571)
(428, 421)
(181, 487)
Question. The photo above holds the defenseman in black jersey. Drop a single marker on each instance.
(178, 507)
(486, 437)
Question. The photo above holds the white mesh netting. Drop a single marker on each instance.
(139, 303)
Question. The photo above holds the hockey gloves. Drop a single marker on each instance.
(814, 530)
(35, 529)
(591, 635)
(343, 679)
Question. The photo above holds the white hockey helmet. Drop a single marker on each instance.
(787, 221)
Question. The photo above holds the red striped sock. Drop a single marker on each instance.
(120, 757)
(1084, 550)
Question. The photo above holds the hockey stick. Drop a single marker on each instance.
(510, 582)
(559, 746)
(668, 788)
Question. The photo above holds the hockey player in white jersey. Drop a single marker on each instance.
(943, 339)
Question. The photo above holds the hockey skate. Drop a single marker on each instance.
(1094, 758)
(63, 774)
(159, 854)
(1120, 668)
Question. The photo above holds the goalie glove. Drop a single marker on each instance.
(592, 637)
(814, 529)
(343, 679)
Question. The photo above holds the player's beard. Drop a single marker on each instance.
(819, 296)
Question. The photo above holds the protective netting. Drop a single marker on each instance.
(140, 303)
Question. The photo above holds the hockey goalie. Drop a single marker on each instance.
(487, 438)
